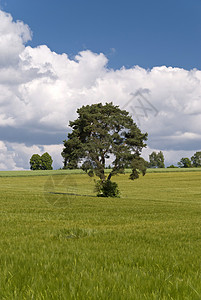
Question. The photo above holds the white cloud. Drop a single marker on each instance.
(40, 91)
(13, 35)
(15, 156)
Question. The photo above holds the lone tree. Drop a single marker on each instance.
(43, 162)
(156, 160)
(100, 132)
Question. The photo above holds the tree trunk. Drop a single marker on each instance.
(109, 176)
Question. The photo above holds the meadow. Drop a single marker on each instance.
(59, 241)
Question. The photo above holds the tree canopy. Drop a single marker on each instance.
(156, 160)
(43, 162)
(101, 132)
(184, 163)
(196, 159)
(35, 162)
(46, 161)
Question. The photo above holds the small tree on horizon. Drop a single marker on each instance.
(156, 160)
(184, 163)
(102, 131)
(46, 161)
(35, 162)
(43, 162)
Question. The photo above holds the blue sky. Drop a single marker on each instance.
(56, 56)
(145, 33)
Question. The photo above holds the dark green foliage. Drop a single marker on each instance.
(172, 166)
(138, 165)
(46, 162)
(99, 132)
(156, 160)
(35, 162)
(43, 162)
(71, 153)
(107, 189)
(196, 159)
(184, 163)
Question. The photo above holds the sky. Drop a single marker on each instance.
(56, 56)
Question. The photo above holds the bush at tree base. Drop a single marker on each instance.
(107, 188)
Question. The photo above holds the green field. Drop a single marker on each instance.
(59, 241)
(79, 171)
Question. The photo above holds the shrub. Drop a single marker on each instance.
(107, 188)
(172, 166)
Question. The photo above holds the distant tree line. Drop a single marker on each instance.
(156, 160)
(194, 162)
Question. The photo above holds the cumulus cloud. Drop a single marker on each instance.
(40, 91)
(16, 156)
(13, 35)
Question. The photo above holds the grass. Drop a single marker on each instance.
(167, 170)
(79, 171)
(56, 244)
(38, 173)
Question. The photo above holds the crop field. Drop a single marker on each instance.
(79, 171)
(59, 241)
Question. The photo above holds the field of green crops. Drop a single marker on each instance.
(79, 171)
(59, 241)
